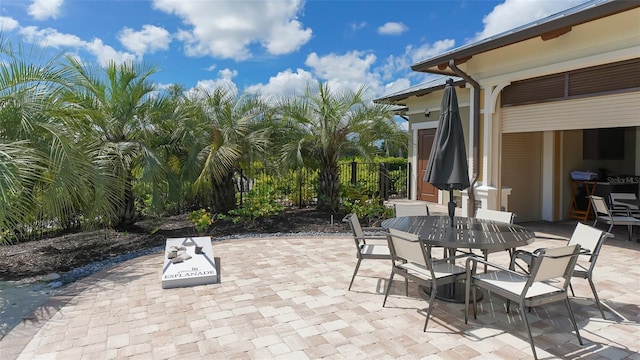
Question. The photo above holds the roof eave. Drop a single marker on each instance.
(393, 99)
(438, 64)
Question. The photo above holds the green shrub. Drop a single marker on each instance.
(356, 200)
(201, 219)
(257, 205)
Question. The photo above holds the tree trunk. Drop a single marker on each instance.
(127, 209)
(223, 194)
(328, 187)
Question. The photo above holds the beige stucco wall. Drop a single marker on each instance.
(605, 40)
(602, 41)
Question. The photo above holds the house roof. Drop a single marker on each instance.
(419, 90)
(547, 28)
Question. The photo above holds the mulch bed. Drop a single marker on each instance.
(30, 260)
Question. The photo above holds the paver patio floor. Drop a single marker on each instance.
(286, 298)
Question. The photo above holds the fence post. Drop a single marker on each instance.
(354, 172)
(300, 187)
(241, 186)
(383, 182)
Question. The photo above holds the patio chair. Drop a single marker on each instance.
(625, 202)
(412, 260)
(373, 251)
(527, 290)
(590, 240)
(604, 214)
(411, 210)
(495, 215)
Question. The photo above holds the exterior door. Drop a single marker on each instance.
(426, 191)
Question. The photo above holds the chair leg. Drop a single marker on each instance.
(595, 295)
(431, 299)
(467, 290)
(571, 288)
(386, 293)
(486, 258)
(355, 272)
(526, 324)
(629, 231)
(406, 287)
(475, 302)
(573, 319)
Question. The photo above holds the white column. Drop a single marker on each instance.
(548, 156)
(414, 161)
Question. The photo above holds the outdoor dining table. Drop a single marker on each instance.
(466, 233)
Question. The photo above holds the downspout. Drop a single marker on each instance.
(409, 167)
(471, 205)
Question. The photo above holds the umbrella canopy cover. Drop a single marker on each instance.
(447, 168)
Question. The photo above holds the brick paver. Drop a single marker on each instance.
(286, 298)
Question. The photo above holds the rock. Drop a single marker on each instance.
(55, 284)
(51, 277)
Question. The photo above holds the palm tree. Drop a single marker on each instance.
(322, 125)
(227, 132)
(115, 109)
(43, 169)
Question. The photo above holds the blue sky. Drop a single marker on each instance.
(268, 46)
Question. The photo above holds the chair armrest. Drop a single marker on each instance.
(477, 260)
(372, 237)
(525, 256)
(471, 269)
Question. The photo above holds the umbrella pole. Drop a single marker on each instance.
(452, 207)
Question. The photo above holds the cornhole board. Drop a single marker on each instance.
(200, 269)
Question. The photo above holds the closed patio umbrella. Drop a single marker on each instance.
(447, 168)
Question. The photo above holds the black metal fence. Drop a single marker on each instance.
(300, 187)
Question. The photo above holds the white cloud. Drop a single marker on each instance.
(402, 124)
(148, 40)
(44, 9)
(227, 29)
(514, 13)
(397, 85)
(285, 83)
(392, 28)
(8, 24)
(358, 26)
(224, 80)
(352, 65)
(51, 37)
(286, 38)
(428, 50)
(350, 70)
(105, 53)
(400, 65)
(347, 71)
